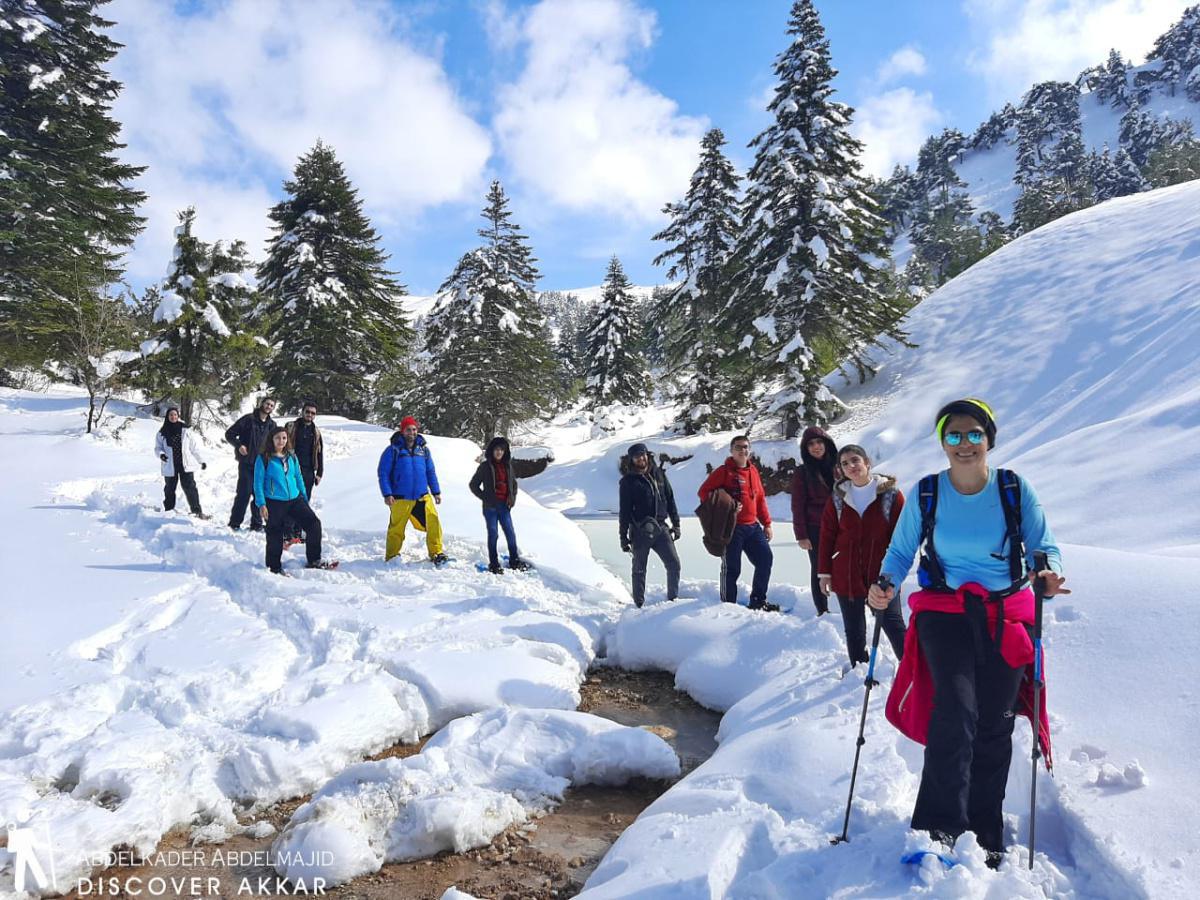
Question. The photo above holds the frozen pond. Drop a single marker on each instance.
(790, 567)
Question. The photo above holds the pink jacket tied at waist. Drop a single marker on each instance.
(910, 701)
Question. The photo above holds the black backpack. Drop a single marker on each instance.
(930, 573)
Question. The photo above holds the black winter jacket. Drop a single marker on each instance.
(483, 482)
(645, 497)
(249, 431)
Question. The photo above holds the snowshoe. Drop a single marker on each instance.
(202, 515)
(495, 568)
(914, 858)
(322, 564)
(520, 565)
(440, 560)
(291, 542)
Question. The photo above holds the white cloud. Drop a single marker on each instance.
(578, 128)
(892, 127)
(1022, 42)
(908, 60)
(220, 102)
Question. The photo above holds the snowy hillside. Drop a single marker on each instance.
(988, 172)
(1082, 335)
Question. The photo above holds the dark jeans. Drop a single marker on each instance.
(854, 619)
(820, 601)
(969, 745)
(309, 477)
(188, 480)
(498, 517)
(245, 487)
(660, 542)
(278, 514)
(753, 540)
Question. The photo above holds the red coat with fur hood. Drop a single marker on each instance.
(852, 546)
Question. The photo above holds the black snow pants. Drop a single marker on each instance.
(279, 512)
(854, 620)
(188, 481)
(969, 745)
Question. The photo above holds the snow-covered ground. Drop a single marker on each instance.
(158, 676)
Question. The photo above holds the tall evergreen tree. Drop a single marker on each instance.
(944, 235)
(491, 361)
(1177, 52)
(1115, 176)
(616, 372)
(67, 211)
(325, 281)
(700, 238)
(198, 351)
(808, 269)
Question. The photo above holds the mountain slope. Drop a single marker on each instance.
(1082, 335)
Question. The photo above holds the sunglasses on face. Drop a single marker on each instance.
(954, 438)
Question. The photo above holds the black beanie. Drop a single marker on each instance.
(973, 407)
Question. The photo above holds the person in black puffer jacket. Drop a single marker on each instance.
(495, 484)
(647, 503)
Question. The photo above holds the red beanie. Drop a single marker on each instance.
(409, 420)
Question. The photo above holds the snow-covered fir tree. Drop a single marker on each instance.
(1115, 175)
(616, 371)
(995, 129)
(808, 277)
(67, 211)
(198, 351)
(1173, 164)
(700, 238)
(1142, 133)
(326, 284)
(1177, 51)
(1048, 113)
(491, 363)
(944, 235)
(568, 322)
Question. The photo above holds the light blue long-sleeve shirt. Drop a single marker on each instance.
(968, 529)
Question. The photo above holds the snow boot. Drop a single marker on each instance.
(519, 565)
(322, 564)
(440, 560)
(495, 568)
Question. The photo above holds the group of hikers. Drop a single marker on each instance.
(964, 661)
(280, 466)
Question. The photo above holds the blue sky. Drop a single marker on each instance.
(589, 111)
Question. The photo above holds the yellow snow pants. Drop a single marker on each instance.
(423, 514)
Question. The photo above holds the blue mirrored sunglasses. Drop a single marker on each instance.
(954, 438)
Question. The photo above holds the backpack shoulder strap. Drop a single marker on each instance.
(1009, 486)
(927, 497)
(885, 504)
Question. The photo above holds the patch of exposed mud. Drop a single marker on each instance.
(546, 859)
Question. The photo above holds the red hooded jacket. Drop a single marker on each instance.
(910, 702)
(852, 546)
(745, 486)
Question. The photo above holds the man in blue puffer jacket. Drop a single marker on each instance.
(409, 484)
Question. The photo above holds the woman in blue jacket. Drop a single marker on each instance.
(279, 495)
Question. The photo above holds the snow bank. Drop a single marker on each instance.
(162, 678)
(473, 779)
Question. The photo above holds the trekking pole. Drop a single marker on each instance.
(884, 583)
(1039, 593)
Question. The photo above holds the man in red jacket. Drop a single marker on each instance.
(740, 479)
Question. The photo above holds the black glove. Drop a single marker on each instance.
(203, 466)
(675, 532)
(625, 548)
(163, 457)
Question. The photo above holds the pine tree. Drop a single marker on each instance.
(944, 235)
(1048, 114)
(66, 209)
(491, 362)
(198, 351)
(808, 269)
(1173, 164)
(1177, 51)
(700, 238)
(326, 284)
(616, 372)
(995, 129)
(1115, 176)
